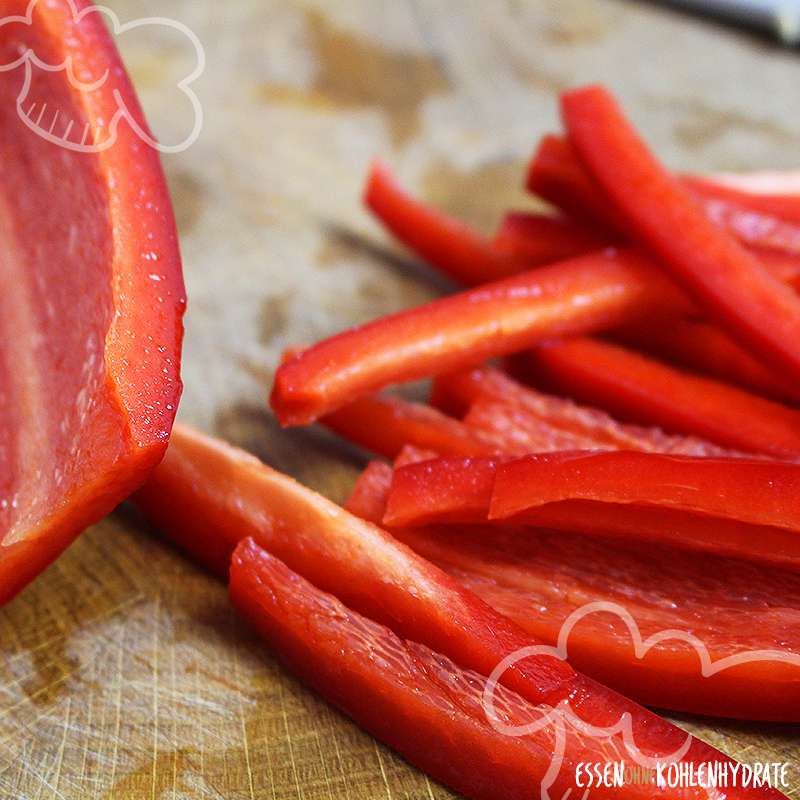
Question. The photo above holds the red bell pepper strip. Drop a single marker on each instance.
(729, 605)
(445, 243)
(635, 387)
(761, 492)
(206, 496)
(415, 700)
(543, 238)
(91, 291)
(728, 282)
(557, 175)
(384, 424)
(224, 493)
(500, 405)
(704, 348)
(599, 291)
(528, 492)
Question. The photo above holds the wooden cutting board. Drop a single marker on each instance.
(123, 672)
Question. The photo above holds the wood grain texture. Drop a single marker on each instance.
(123, 672)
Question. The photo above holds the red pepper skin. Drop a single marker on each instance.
(408, 696)
(635, 387)
(704, 348)
(729, 604)
(543, 238)
(89, 365)
(557, 175)
(729, 283)
(384, 424)
(445, 243)
(206, 496)
(500, 405)
(599, 291)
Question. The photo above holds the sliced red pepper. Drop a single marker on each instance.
(445, 243)
(500, 405)
(207, 496)
(635, 387)
(543, 238)
(557, 174)
(415, 700)
(761, 492)
(225, 494)
(729, 605)
(728, 282)
(384, 424)
(599, 291)
(90, 287)
(571, 492)
(704, 348)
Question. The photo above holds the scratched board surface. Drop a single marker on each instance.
(123, 672)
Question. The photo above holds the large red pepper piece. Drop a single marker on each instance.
(557, 174)
(635, 387)
(727, 281)
(598, 291)
(727, 604)
(445, 243)
(500, 405)
(91, 292)
(206, 496)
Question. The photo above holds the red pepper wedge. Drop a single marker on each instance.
(500, 405)
(384, 424)
(728, 282)
(91, 294)
(544, 238)
(599, 291)
(557, 175)
(451, 246)
(635, 387)
(704, 348)
(415, 700)
(730, 606)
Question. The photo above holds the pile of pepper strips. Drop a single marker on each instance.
(509, 513)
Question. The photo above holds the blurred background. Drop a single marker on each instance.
(124, 673)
